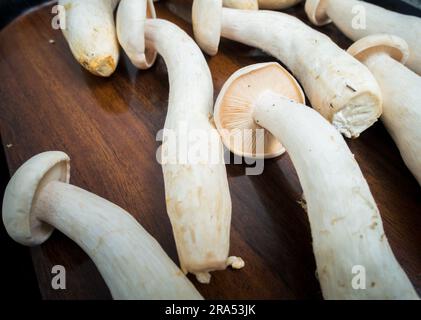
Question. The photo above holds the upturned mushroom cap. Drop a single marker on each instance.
(150, 54)
(234, 107)
(316, 12)
(131, 33)
(23, 188)
(395, 47)
(207, 21)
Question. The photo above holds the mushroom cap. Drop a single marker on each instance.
(23, 188)
(233, 114)
(150, 54)
(207, 21)
(131, 33)
(394, 46)
(316, 12)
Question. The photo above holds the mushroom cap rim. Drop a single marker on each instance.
(21, 191)
(149, 57)
(217, 114)
(396, 47)
(311, 7)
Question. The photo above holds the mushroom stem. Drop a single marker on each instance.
(338, 86)
(197, 194)
(90, 33)
(358, 19)
(345, 223)
(402, 106)
(132, 263)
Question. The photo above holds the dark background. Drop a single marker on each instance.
(17, 278)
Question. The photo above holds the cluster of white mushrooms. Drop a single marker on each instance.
(349, 92)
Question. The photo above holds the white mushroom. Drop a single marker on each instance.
(197, 194)
(131, 18)
(358, 19)
(385, 55)
(339, 87)
(38, 199)
(345, 223)
(90, 33)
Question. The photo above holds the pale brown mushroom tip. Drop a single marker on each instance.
(21, 190)
(235, 103)
(316, 12)
(103, 66)
(395, 47)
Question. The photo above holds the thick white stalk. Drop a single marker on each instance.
(339, 87)
(402, 106)
(132, 263)
(345, 223)
(90, 33)
(197, 194)
(358, 19)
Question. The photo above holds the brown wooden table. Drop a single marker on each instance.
(108, 127)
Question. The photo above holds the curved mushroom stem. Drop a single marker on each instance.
(197, 193)
(358, 19)
(338, 86)
(345, 223)
(90, 33)
(402, 106)
(132, 263)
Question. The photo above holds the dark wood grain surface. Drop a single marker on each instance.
(108, 127)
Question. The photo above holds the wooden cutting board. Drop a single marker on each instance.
(108, 127)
